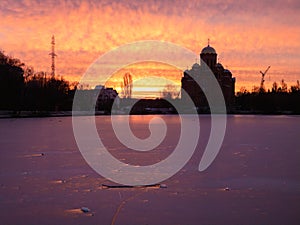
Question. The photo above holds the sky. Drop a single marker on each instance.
(247, 35)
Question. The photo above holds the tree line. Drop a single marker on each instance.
(280, 99)
(21, 88)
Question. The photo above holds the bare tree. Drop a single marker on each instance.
(295, 88)
(170, 92)
(255, 89)
(243, 90)
(127, 85)
(283, 86)
(28, 73)
(275, 87)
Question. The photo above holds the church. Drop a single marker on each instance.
(224, 77)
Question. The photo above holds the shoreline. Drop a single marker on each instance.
(39, 114)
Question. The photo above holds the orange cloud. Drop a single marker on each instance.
(248, 35)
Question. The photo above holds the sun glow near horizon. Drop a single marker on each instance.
(149, 79)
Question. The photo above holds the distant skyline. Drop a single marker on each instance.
(247, 35)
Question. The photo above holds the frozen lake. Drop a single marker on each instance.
(45, 180)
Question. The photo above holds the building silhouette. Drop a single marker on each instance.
(224, 77)
(105, 96)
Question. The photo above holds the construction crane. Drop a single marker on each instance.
(261, 88)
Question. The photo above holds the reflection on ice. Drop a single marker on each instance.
(34, 155)
(79, 211)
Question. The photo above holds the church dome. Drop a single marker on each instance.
(196, 66)
(220, 66)
(208, 50)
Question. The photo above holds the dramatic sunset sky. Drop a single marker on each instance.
(247, 35)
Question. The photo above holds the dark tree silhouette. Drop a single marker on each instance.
(11, 82)
(23, 89)
(280, 100)
(47, 94)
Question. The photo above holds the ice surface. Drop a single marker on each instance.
(45, 180)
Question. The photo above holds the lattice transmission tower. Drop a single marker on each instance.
(53, 55)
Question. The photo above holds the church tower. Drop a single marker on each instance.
(223, 76)
(209, 56)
